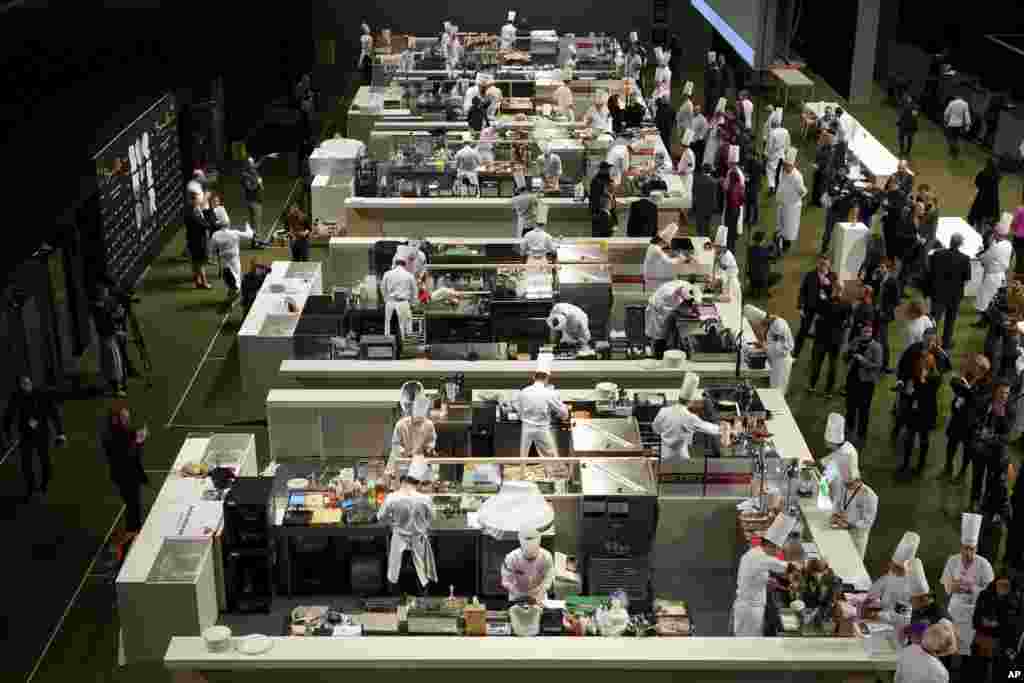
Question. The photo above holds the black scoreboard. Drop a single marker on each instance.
(140, 191)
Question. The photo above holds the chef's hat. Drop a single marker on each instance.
(419, 469)
(668, 233)
(421, 407)
(712, 57)
(722, 236)
(780, 529)
(970, 529)
(791, 154)
(480, 77)
(835, 429)
(734, 154)
(687, 138)
(511, 16)
(366, 27)
(194, 188)
(754, 314)
(556, 321)
(918, 580)
(688, 88)
(849, 467)
(633, 37)
(907, 549)
(1003, 227)
(545, 361)
(688, 390)
(720, 107)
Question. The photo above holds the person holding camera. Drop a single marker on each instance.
(110, 318)
(863, 373)
(37, 418)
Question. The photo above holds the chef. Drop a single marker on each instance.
(536, 405)
(572, 322)
(537, 243)
(493, 95)
(966, 574)
(399, 289)
(508, 32)
(410, 513)
(659, 263)
(444, 44)
(893, 587)
(414, 435)
(412, 253)
(524, 204)
(755, 570)
(454, 47)
(746, 110)
(774, 150)
(920, 663)
(365, 61)
(224, 244)
(687, 166)
(726, 269)
(634, 64)
(714, 135)
(854, 504)
(485, 148)
(995, 261)
(776, 338)
(550, 164)
(774, 114)
(839, 448)
(660, 306)
(789, 198)
(565, 101)
(598, 118)
(925, 611)
(528, 572)
(734, 189)
(662, 75)
(474, 91)
(467, 164)
(676, 425)
(619, 158)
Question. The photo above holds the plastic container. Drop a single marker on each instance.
(218, 638)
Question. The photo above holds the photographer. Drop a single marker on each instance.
(110, 317)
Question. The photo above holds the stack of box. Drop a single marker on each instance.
(333, 165)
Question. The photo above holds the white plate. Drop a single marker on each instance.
(649, 364)
(254, 644)
(298, 483)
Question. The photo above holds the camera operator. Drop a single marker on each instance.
(110, 317)
(839, 199)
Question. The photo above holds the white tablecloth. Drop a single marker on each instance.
(948, 225)
(872, 154)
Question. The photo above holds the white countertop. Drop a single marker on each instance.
(638, 654)
(835, 545)
(268, 302)
(874, 156)
(668, 203)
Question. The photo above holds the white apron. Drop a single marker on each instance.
(990, 284)
(961, 610)
(655, 319)
(859, 536)
(422, 557)
(780, 371)
(747, 619)
(711, 147)
(404, 311)
(788, 220)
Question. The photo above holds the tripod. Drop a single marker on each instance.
(140, 343)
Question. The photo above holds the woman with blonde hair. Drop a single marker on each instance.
(918, 321)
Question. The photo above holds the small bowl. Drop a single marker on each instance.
(298, 483)
(797, 605)
(218, 638)
(649, 364)
(674, 358)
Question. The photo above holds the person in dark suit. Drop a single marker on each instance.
(906, 127)
(948, 271)
(603, 220)
(833, 317)
(886, 286)
(864, 371)
(705, 200)
(815, 291)
(122, 445)
(755, 174)
(643, 216)
(824, 166)
(760, 257)
(665, 120)
(991, 436)
(970, 391)
(38, 419)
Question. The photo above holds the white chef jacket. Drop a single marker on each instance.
(957, 114)
(914, 665)
(467, 160)
(839, 456)
(789, 200)
(224, 244)
(471, 93)
(767, 128)
(600, 119)
(537, 403)
(779, 345)
(778, 142)
(521, 205)
(659, 306)
(508, 36)
(659, 267)
(409, 515)
(676, 426)
(977, 577)
(577, 323)
(843, 128)
(891, 590)
(412, 436)
(405, 252)
(398, 284)
(493, 92)
(552, 165)
(564, 99)
(751, 591)
(684, 117)
(748, 113)
(618, 157)
(995, 261)
(861, 508)
(523, 577)
(700, 127)
(915, 330)
(687, 163)
(729, 271)
(537, 244)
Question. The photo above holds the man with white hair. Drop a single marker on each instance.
(854, 504)
(964, 577)
(789, 198)
(756, 567)
(571, 322)
(775, 149)
(775, 337)
(920, 662)
(658, 314)
(676, 425)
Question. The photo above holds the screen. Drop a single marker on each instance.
(138, 174)
(737, 21)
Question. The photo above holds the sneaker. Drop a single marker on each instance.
(827, 395)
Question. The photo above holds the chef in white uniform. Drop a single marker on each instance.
(508, 32)
(789, 198)
(659, 263)
(995, 261)
(754, 573)
(485, 148)
(412, 253)
(565, 101)
(687, 166)
(684, 117)
(839, 449)
(454, 47)
(777, 340)
(920, 663)
(676, 425)
(855, 504)
(726, 268)
(365, 45)
(634, 63)
(550, 163)
(410, 513)
(662, 75)
(414, 435)
(666, 299)
(572, 322)
(893, 587)
(528, 572)
(472, 92)
(922, 600)
(619, 158)
(598, 118)
(536, 405)
(966, 574)
(537, 244)
(746, 110)
(399, 289)
(775, 150)
(467, 165)
(225, 245)
(494, 97)
(714, 137)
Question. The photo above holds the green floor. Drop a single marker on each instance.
(55, 579)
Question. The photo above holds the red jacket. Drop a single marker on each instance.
(735, 189)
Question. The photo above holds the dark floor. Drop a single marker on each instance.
(60, 621)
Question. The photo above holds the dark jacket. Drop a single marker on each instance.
(964, 410)
(999, 617)
(920, 409)
(251, 187)
(889, 298)
(197, 232)
(599, 185)
(810, 291)
(643, 218)
(602, 224)
(759, 263)
(124, 457)
(948, 271)
(870, 369)
(904, 181)
(665, 120)
(931, 615)
(907, 122)
(833, 317)
(905, 367)
(37, 405)
(986, 202)
(705, 195)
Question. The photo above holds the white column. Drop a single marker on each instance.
(864, 50)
